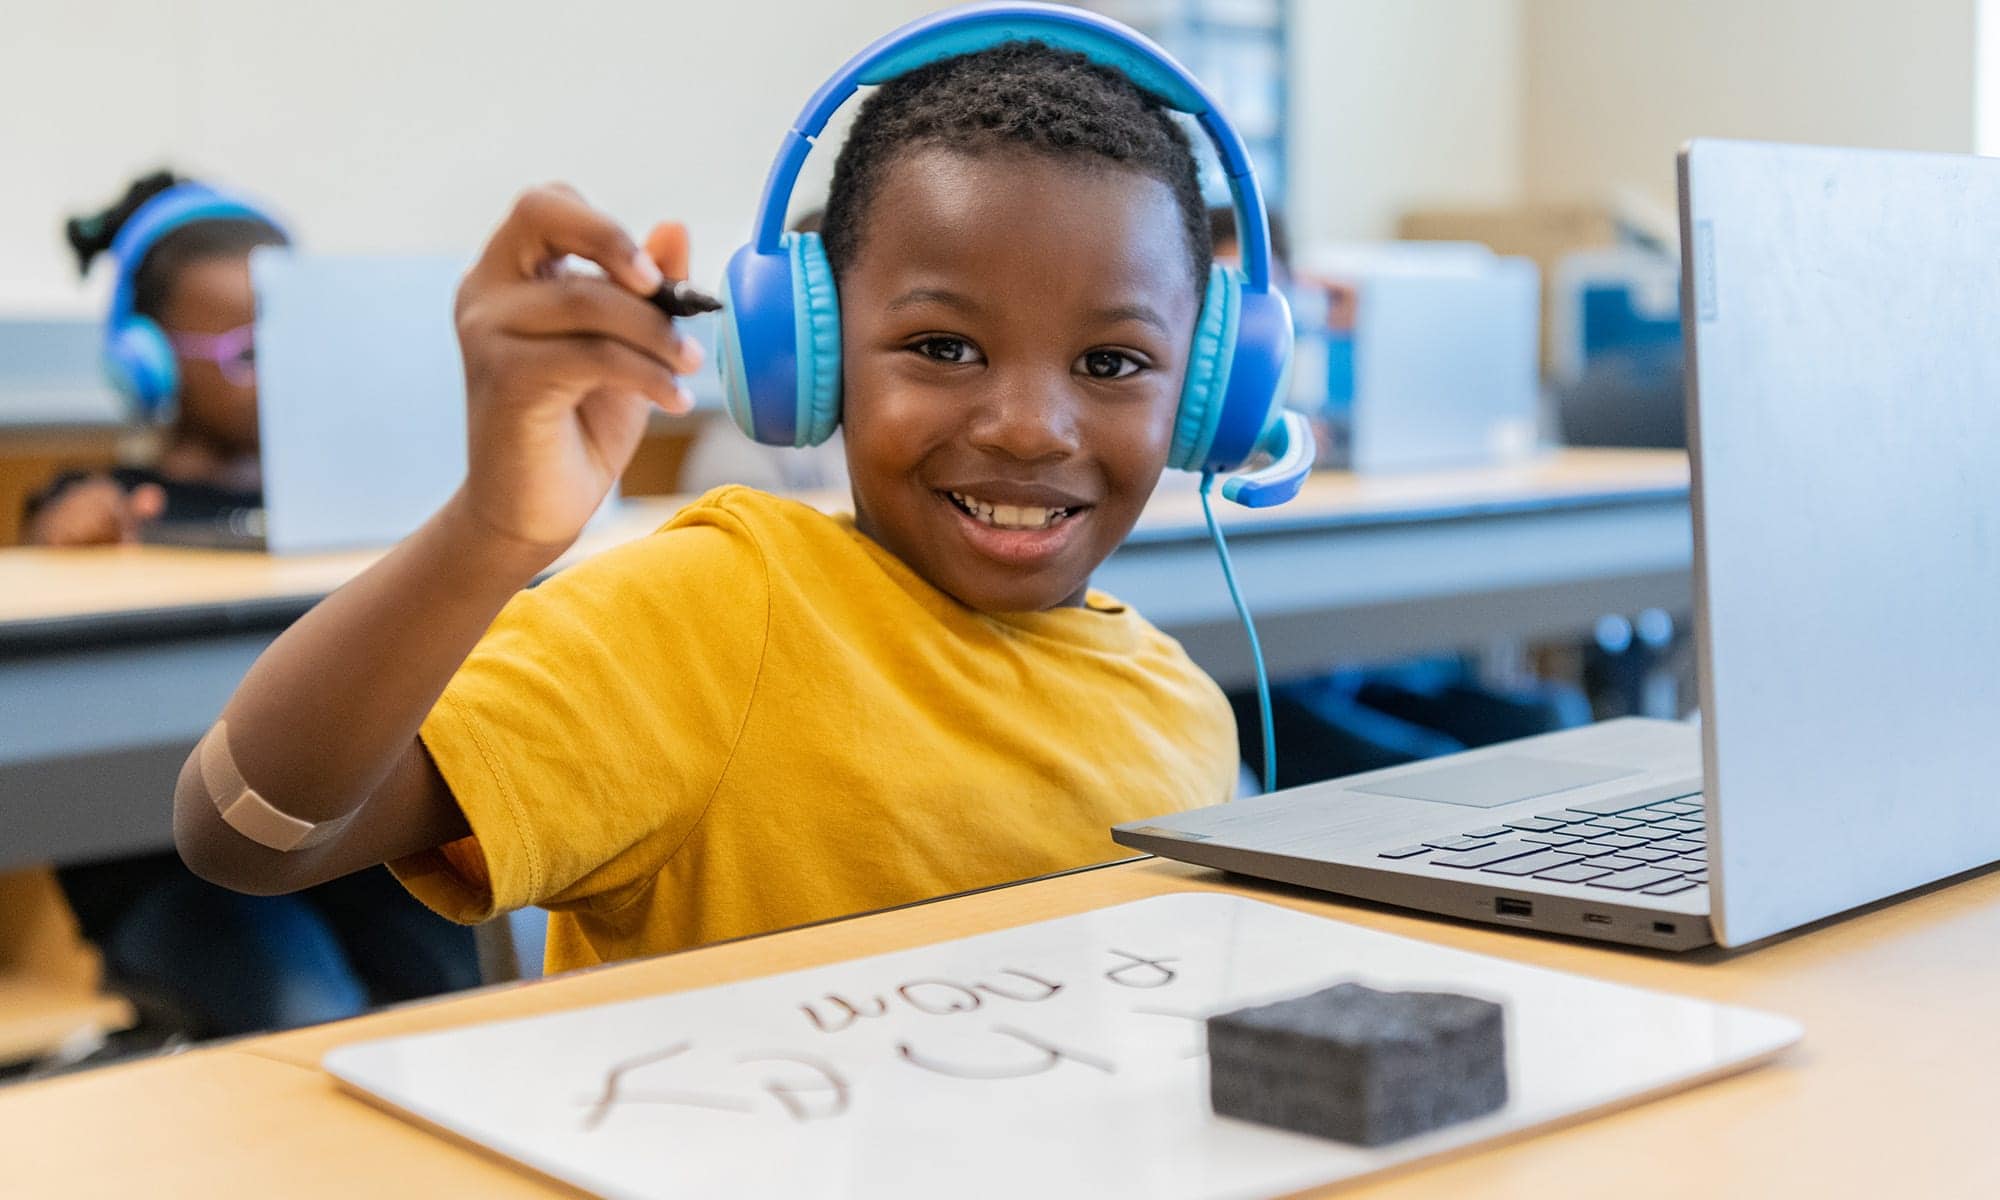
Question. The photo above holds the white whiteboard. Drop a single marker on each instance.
(1058, 1059)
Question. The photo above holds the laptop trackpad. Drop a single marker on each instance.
(1495, 781)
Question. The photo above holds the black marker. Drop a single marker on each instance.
(682, 299)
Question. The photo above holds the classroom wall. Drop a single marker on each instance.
(1986, 84)
(380, 125)
(397, 125)
(1397, 103)
(389, 125)
(1611, 90)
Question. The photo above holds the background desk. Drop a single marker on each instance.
(112, 662)
(1890, 1094)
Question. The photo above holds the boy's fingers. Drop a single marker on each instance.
(550, 222)
(586, 365)
(576, 305)
(667, 246)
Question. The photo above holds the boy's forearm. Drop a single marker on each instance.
(326, 711)
(335, 703)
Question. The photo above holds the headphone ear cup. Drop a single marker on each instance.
(755, 346)
(816, 308)
(1208, 370)
(140, 364)
(1254, 393)
(779, 349)
(729, 340)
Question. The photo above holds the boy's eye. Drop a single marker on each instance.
(946, 350)
(1108, 364)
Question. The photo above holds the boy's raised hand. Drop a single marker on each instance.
(562, 368)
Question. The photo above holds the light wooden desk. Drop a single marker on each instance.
(1889, 1095)
(112, 662)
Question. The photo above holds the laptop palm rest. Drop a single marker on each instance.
(1495, 781)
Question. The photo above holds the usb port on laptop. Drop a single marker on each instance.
(1507, 906)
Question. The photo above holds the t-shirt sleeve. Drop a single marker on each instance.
(587, 732)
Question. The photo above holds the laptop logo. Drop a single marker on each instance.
(1704, 270)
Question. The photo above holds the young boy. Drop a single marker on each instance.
(762, 716)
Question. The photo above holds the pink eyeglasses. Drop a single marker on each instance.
(233, 352)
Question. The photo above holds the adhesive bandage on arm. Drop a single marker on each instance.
(247, 812)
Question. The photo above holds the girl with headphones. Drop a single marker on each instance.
(200, 960)
(178, 348)
(762, 715)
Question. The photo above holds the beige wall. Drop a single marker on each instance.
(1401, 102)
(1449, 102)
(1611, 88)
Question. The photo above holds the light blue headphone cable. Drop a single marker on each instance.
(1249, 627)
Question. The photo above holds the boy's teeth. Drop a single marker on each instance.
(1010, 516)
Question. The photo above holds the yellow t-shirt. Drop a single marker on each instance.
(757, 717)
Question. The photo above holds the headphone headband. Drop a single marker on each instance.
(180, 205)
(965, 31)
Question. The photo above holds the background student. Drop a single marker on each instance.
(194, 283)
(203, 960)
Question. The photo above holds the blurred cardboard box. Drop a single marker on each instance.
(1541, 233)
(1429, 355)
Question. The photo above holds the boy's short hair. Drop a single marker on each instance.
(1021, 94)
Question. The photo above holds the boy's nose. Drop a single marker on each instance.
(1032, 419)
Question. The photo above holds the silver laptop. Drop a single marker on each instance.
(1842, 310)
(360, 403)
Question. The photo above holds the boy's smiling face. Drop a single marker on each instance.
(1015, 329)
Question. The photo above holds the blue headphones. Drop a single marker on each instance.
(780, 343)
(138, 360)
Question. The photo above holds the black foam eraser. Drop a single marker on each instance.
(1359, 1065)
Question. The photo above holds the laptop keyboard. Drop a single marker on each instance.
(1655, 849)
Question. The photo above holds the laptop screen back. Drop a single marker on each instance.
(1843, 309)
(360, 396)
